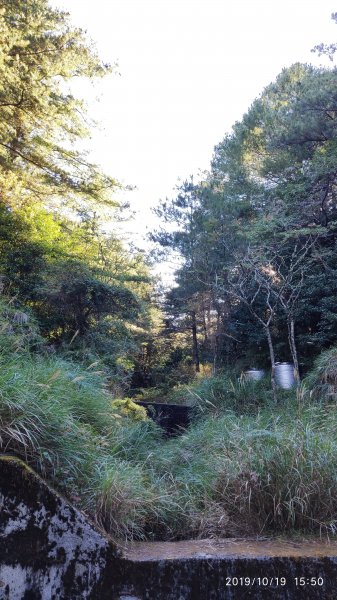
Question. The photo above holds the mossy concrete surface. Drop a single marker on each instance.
(48, 550)
(231, 578)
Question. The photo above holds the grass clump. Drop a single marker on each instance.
(281, 476)
(224, 392)
(264, 473)
(322, 380)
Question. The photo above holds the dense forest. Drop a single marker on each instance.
(258, 235)
(85, 331)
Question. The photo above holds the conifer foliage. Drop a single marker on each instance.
(40, 117)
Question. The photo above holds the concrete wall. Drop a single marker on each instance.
(48, 550)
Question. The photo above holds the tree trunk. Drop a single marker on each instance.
(272, 361)
(195, 342)
(293, 349)
(216, 343)
(204, 324)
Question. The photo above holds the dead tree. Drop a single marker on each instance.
(249, 284)
(288, 273)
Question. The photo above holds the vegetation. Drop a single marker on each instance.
(242, 468)
(83, 330)
(90, 296)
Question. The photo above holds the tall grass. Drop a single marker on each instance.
(268, 473)
(244, 467)
(225, 391)
(322, 380)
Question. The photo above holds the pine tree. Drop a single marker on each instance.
(40, 119)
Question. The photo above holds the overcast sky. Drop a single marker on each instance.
(188, 70)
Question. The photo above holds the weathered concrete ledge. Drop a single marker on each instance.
(50, 551)
(231, 569)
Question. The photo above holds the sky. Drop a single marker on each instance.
(187, 70)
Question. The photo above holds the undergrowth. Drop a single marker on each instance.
(245, 466)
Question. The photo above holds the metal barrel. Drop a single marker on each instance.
(284, 375)
(254, 374)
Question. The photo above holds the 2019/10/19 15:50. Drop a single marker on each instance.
(273, 581)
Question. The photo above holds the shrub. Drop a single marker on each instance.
(322, 380)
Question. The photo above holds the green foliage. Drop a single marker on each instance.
(125, 501)
(130, 408)
(18, 329)
(98, 310)
(75, 297)
(40, 118)
(91, 297)
(59, 418)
